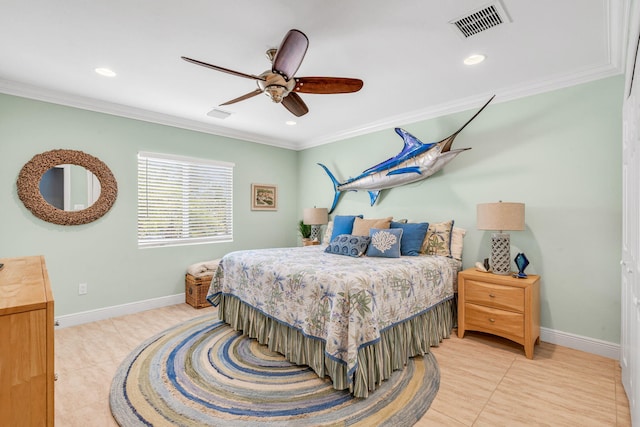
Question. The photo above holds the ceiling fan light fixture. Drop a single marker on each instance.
(276, 92)
(474, 59)
(105, 72)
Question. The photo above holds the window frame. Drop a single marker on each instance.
(182, 166)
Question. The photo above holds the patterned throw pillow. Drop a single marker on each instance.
(385, 242)
(346, 244)
(438, 239)
(361, 226)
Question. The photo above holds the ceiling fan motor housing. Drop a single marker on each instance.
(275, 86)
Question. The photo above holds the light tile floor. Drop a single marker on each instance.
(484, 380)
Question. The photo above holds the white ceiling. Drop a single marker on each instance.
(406, 52)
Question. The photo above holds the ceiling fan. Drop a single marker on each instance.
(279, 82)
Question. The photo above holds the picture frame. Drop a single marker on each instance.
(264, 197)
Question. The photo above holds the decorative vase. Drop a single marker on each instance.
(522, 262)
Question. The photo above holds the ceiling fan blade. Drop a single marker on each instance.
(295, 104)
(243, 97)
(290, 54)
(224, 70)
(327, 85)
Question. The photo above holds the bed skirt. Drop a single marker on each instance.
(376, 361)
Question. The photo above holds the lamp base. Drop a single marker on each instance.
(500, 253)
(315, 232)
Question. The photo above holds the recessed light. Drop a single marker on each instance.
(106, 72)
(474, 59)
(290, 123)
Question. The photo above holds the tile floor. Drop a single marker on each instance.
(484, 380)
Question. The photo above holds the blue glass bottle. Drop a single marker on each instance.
(522, 262)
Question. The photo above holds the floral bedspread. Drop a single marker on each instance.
(342, 300)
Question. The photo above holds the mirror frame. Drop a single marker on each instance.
(29, 187)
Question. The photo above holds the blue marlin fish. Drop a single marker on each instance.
(416, 161)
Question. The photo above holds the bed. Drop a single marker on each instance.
(355, 320)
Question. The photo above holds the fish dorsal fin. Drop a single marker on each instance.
(411, 144)
(410, 141)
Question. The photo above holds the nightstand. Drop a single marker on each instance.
(500, 305)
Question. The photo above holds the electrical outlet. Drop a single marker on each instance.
(82, 288)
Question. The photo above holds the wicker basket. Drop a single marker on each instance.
(196, 289)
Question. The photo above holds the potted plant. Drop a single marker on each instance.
(305, 232)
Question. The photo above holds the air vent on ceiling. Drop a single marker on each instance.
(481, 19)
(218, 114)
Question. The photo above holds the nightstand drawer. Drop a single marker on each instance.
(492, 295)
(485, 319)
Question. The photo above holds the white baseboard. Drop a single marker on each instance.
(117, 310)
(578, 342)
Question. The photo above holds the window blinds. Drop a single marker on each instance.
(183, 200)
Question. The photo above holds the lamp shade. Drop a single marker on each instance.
(500, 216)
(315, 216)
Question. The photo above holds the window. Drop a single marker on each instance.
(183, 200)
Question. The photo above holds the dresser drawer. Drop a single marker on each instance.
(492, 295)
(499, 322)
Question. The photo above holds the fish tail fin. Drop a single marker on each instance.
(335, 182)
(448, 141)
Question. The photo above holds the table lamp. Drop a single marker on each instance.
(315, 217)
(500, 217)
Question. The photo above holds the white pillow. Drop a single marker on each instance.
(457, 237)
(326, 238)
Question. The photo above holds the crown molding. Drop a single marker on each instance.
(504, 95)
(617, 12)
(507, 94)
(85, 103)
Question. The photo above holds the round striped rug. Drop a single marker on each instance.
(204, 373)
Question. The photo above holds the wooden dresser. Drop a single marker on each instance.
(501, 305)
(26, 343)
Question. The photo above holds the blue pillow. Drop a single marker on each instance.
(343, 224)
(385, 242)
(412, 236)
(346, 244)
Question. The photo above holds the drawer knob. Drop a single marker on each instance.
(492, 320)
(492, 296)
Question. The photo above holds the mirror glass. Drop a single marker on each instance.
(69, 187)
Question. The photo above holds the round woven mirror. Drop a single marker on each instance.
(29, 187)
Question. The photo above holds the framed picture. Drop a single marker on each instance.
(264, 197)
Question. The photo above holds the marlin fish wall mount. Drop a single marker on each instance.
(416, 161)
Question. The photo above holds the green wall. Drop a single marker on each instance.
(558, 152)
(104, 254)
